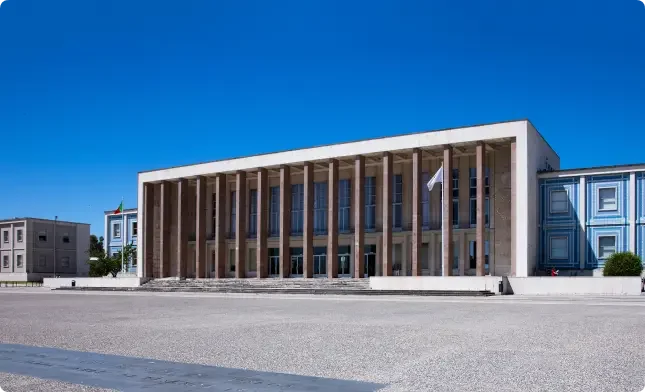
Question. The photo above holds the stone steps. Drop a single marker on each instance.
(315, 291)
(357, 284)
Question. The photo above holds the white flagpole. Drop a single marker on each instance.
(123, 233)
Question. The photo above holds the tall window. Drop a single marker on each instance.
(134, 229)
(5, 236)
(253, 213)
(116, 230)
(397, 202)
(19, 235)
(473, 196)
(274, 212)
(607, 199)
(233, 211)
(19, 261)
(455, 197)
(370, 203)
(297, 208)
(344, 205)
(320, 208)
(425, 201)
(559, 201)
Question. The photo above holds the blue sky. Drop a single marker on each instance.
(91, 92)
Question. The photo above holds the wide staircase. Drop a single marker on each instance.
(342, 286)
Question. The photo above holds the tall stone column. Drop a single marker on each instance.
(200, 225)
(148, 229)
(240, 224)
(417, 214)
(513, 210)
(285, 221)
(359, 216)
(481, 221)
(446, 204)
(262, 253)
(308, 222)
(387, 213)
(220, 226)
(164, 220)
(182, 233)
(332, 220)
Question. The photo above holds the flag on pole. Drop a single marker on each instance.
(119, 209)
(437, 178)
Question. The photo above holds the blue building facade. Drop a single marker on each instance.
(121, 229)
(588, 214)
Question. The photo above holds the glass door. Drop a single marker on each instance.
(274, 262)
(320, 262)
(370, 260)
(296, 262)
(344, 254)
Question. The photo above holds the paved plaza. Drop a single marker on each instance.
(189, 342)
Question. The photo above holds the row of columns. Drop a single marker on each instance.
(159, 248)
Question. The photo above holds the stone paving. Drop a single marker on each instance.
(389, 344)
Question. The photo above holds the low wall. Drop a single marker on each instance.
(55, 283)
(575, 285)
(440, 283)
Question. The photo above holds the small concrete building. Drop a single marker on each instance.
(352, 209)
(31, 249)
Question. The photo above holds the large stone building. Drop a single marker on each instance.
(31, 249)
(352, 209)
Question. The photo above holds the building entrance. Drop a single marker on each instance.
(274, 262)
(296, 262)
(320, 262)
(370, 260)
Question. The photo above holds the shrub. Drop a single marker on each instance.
(623, 264)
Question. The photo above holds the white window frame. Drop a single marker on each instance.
(601, 253)
(135, 233)
(5, 261)
(114, 226)
(600, 200)
(19, 261)
(551, 247)
(19, 235)
(5, 236)
(566, 201)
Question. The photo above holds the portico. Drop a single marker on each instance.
(347, 210)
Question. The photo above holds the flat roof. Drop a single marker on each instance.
(425, 140)
(125, 211)
(40, 219)
(594, 170)
(347, 142)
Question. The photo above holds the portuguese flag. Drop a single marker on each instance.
(119, 209)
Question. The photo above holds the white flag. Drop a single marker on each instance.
(438, 177)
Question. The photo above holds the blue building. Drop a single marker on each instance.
(588, 214)
(120, 227)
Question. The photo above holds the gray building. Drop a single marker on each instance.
(31, 249)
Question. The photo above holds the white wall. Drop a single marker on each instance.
(441, 283)
(576, 285)
(92, 282)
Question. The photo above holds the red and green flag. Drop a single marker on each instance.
(119, 209)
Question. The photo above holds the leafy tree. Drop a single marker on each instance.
(103, 265)
(623, 264)
(96, 246)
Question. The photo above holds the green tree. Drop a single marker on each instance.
(103, 264)
(96, 246)
(623, 264)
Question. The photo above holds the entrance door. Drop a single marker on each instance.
(344, 253)
(370, 260)
(274, 262)
(320, 262)
(296, 265)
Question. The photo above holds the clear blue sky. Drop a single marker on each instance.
(91, 92)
